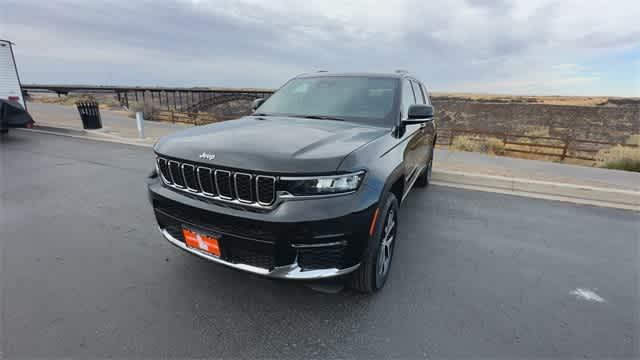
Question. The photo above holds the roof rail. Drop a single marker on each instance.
(319, 71)
(400, 71)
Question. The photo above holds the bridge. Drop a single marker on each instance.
(192, 99)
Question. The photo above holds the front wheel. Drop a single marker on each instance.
(376, 263)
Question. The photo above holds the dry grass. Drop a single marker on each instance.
(633, 139)
(478, 144)
(106, 102)
(538, 131)
(620, 157)
(532, 99)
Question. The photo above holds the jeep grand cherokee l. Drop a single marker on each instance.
(308, 186)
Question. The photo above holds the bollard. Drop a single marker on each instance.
(140, 124)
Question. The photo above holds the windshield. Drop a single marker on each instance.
(361, 99)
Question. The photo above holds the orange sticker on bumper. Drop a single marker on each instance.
(201, 242)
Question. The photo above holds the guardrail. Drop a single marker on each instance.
(167, 98)
(566, 147)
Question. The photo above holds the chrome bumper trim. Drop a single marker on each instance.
(291, 272)
(311, 246)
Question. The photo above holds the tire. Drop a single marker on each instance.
(425, 178)
(374, 270)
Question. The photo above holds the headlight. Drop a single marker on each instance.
(322, 184)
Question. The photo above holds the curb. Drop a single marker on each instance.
(622, 199)
(580, 194)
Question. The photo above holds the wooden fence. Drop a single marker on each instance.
(562, 147)
(195, 118)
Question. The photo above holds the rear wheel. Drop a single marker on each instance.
(376, 263)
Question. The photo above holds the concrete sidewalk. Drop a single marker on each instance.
(464, 169)
(115, 124)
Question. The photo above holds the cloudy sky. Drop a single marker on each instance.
(491, 46)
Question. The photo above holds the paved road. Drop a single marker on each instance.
(84, 273)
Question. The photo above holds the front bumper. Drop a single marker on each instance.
(298, 240)
(290, 272)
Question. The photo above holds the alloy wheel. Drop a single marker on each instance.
(386, 244)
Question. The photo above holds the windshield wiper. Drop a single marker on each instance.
(260, 114)
(322, 117)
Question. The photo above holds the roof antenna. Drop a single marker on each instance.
(400, 71)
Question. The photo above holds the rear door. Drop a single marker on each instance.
(426, 129)
(412, 133)
(9, 82)
(431, 127)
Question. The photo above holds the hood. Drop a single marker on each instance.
(282, 145)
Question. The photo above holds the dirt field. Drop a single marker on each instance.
(548, 100)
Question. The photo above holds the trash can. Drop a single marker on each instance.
(90, 114)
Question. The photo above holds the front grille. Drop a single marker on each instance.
(218, 183)
(220, 223)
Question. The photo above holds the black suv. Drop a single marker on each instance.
(308, 186)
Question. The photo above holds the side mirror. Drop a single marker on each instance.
(418, 114)
(256, 103)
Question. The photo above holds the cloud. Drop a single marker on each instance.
(458, 45)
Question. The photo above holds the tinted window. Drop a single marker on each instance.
(418, 92)
(426, 94)
(407, 97)
(360, 99)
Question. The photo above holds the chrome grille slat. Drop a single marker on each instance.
(176, 174)
(205, 180)
(265, 190)
(163, 168)
(224, 185)
(190, 179)
(242, 185)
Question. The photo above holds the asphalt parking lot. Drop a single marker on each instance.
(85, 273)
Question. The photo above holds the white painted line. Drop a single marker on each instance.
(588, 295)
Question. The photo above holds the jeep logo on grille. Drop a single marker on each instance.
(206, 156)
